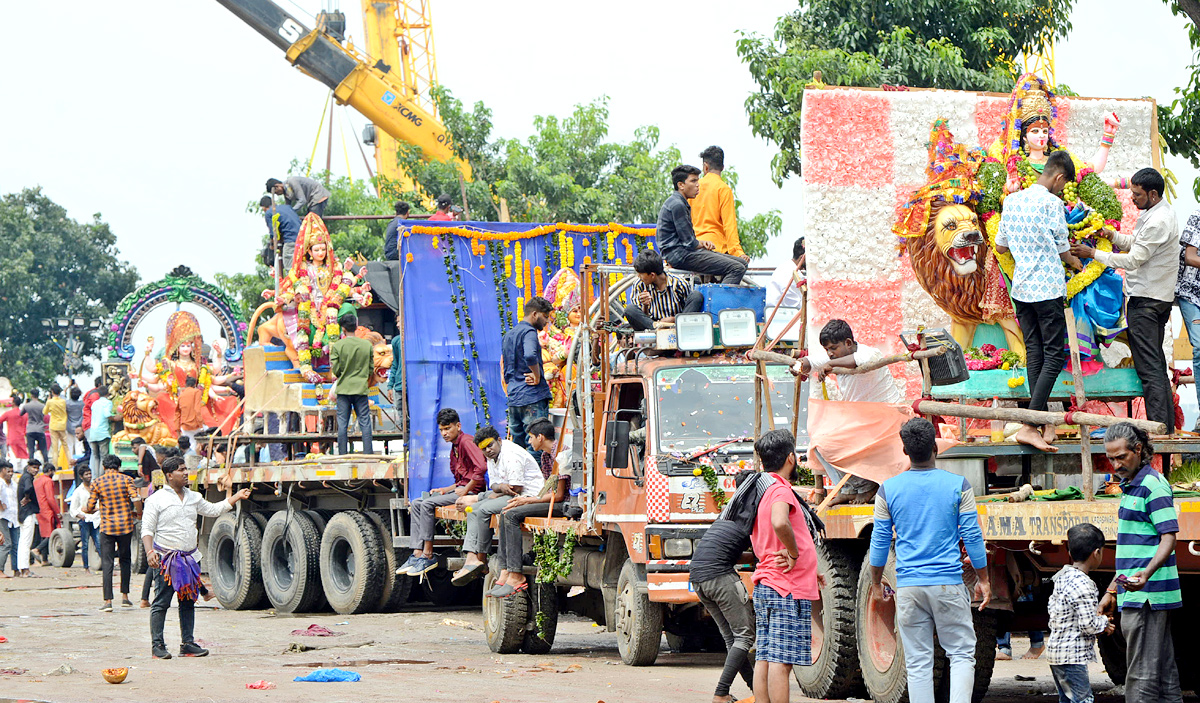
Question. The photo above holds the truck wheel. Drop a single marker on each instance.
(504, 618)
(985, 652)
(395, 588)
(639, 620)
(234, 553)
(138, 550)
(62, 547)
(543, 604)
(880, 652)
(290, 562)
(351, 563)
(835, 671)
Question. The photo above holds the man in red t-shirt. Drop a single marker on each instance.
(786, 579)
(89, 398)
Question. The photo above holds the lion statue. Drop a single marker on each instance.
(139, 411)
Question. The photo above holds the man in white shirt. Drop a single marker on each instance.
(89, 523)
(1151, 267)
(838, 350)
(10, 529)
(511, 472)
(169, 536)
(784, 287)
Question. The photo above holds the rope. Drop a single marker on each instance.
(317, 141)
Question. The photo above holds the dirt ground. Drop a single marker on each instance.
(419, 654)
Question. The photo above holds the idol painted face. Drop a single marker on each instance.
(318, 252)
(185, 349)
(1037, 137)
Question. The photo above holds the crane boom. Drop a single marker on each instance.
(354, 80)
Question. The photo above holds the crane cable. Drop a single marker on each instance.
(317, 141)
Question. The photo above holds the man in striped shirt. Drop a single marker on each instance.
(1146, 587)
(658, 296)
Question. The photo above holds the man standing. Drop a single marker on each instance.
(784, 286)
(49, 514)
(56, 412)
(443, 213)
(283, 224)
(27, 513)
(10, 526)
(1147, 527)
(394, 231)
(677, 237)
(1187, 290)
(714, 209)
(113, 495)
(300, 191)
(74, 416)
(101, 428)
(932, 512)
(35, 430)
(89, 399)
(469, 469)
(350, 361)
(1033, 227)
(658, 296)
(521, 366)
(169, 537)
(1151, 272)
(785, 579)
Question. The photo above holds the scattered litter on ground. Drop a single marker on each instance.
(62, 670)
(1019, 677)
(329, 676)
(359, 662)
(458, 623)
(261, 685)
(318, 631)
(298, 647)
(13, 672)
(3, 640)
(344, 622)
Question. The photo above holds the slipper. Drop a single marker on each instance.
(515, 589)
(502, 591)
(467, 574)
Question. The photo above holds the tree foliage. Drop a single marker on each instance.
(965, 45)
(1179, 122)
(52, 267)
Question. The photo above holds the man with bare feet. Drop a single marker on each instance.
(1033, 227)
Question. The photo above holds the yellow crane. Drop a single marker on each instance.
(396, 102)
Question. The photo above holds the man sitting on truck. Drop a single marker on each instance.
(838, 350)
(512, 473)
(677, 236)
(468, 467)
(658, 296)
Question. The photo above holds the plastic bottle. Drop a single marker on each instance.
(997, 425)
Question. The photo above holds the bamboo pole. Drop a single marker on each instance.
(777, 358)
(1085, 440)
(1030, 417)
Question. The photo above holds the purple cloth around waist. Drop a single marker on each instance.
(181, 571)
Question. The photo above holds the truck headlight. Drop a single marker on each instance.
(677, 548)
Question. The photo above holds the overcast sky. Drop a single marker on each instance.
(167, 117)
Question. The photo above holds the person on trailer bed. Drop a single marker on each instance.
(658, 296)
(677, 236)
(469, 469)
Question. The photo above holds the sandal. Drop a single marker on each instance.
(514, 589)
(467, 574)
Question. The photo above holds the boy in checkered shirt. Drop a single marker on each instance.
(1074, 622)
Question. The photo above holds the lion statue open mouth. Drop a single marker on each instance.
(959, 238)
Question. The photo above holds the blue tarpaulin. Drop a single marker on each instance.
(434, 351)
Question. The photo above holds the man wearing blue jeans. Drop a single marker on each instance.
(350, 360)
(932, 511)
(521, 366)
(1187, 290)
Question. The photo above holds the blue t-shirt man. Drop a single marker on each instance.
(524, 378)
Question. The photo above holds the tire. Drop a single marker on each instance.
(639, 620)
(351, 563)
(138, 551)
(395, 588)
(880, 652)
(291, 571)
(320, 519)
(835, 671)
(504, 619)
(234, 562)
(62, 547)
(542, 598)
(1112, 653)
(985, 652)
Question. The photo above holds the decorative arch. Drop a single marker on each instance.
(180, 286)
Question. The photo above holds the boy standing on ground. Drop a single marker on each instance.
(469, 469)
(785, 580)
(112, 496)
(1033, 226)
(1147, 527)
(933, 512)
(1074, 622)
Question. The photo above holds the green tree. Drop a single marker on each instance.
(966, 45)
(753, 232)
(1179, 122)
(53, 267)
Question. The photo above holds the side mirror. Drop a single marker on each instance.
(616, 439)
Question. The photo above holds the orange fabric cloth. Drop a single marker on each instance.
(714, 215)
(861, 439)
(189, 409)
(48, 510)
(222, 411)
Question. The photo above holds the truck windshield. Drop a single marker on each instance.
(701, 405)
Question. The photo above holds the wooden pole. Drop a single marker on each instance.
(777, 358)
(1085, 440)
(1030, 417)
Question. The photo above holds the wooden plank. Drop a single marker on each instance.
(1085, 454)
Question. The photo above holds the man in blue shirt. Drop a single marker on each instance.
(677, 238)
(1033, 226)
(284, 225)
(932, 511)
(521, 364)
(391, 236)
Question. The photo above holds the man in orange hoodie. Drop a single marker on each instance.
(189, 409)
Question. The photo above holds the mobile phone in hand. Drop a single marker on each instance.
(1122, 579)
